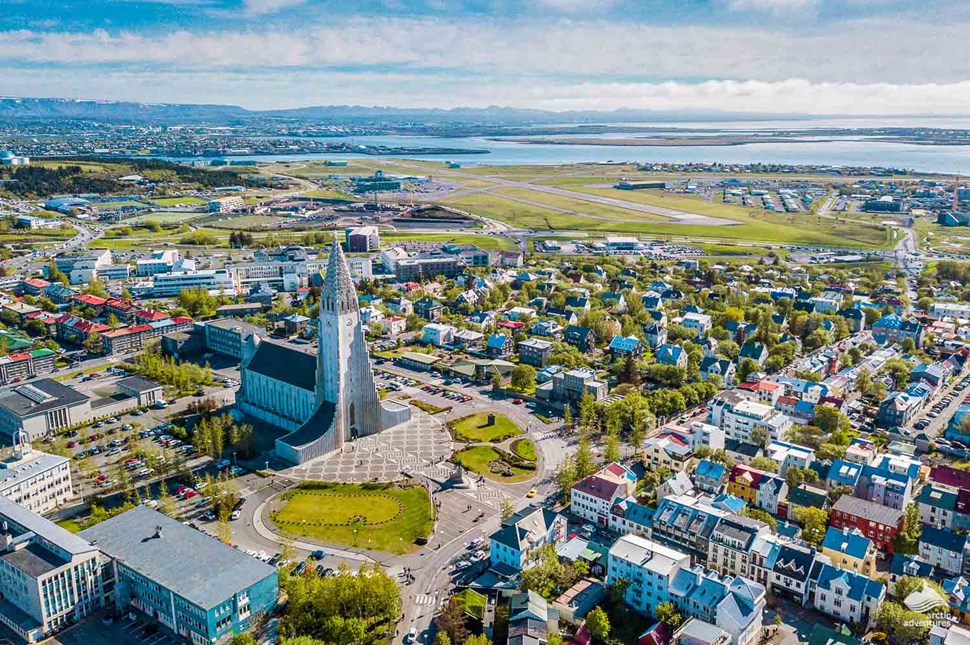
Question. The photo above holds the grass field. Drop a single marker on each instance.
(524, 448)
(753, 225)
(474, 428)
(329, 194)
(164, 217)
(371, 516)
(486, 242)
(175, 201)
(478, 458)
(580, 206)
(248, 221)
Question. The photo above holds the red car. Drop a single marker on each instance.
(189, 493)
(517, 401)
(101, 477)
(72, 444)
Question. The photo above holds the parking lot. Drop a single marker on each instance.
(132, 629)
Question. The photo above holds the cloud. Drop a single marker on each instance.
(576, 6)
(773, 6)
(595, 51)
(264, 7)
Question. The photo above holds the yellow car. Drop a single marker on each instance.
(532, 493)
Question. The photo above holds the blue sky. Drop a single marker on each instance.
(798, 56)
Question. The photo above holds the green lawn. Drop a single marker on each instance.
(175, 201)
(475, 429)
(383, 517)
(524, 448)
(329, 194)
(164, 217)
(486, 242)
(579, 205)
(478, 459)
(248, 221)
(472, 602)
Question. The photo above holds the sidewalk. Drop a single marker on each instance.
(265, 532)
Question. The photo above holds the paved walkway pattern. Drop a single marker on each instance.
(413, 446)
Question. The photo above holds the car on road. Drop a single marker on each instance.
(461, 565)
(411, 636)
(532, 493)
(319, 554)
(517, 401)
(235, 515)
(474, 544)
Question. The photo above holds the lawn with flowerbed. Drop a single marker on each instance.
(384, 517)
(495, 464)
(475, 428)
(524, 448)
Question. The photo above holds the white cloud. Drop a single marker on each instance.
(861, 51)
(576, 6)
(774, 6)
(263, 7)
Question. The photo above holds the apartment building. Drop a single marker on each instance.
(38, 481)
(49, 577)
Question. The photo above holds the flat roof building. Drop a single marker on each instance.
(36, 480)
(39, 408)
(195, 585)
(48, 576)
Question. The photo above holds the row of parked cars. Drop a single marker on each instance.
(448, 394)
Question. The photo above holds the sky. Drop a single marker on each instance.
(832, 57)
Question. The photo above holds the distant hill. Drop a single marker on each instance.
(42, 109)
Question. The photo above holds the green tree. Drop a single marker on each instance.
(905, 626)
(598, 623)
(442, 638)
(796, 476)
(611, 450)
(566, 477)
(506, 508)
(242, 639)
(759, 437)
(452, 620)
(761, 516)
(667, 613)
(829, 419)
(584, 457)
(479, 639)
(746, 367)
(523, 378)
(766, 464)
(814, 522)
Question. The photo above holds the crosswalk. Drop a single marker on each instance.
(424, 599)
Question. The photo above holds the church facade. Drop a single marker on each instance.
(324, 399)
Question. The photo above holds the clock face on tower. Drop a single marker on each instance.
(349, 322)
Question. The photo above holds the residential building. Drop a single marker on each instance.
(166, 569)
(893, 328)
(592, 497)
(38, 481)
(227, 337)
(158, 262)
(710, 476)
(49, 577)
(848, 596)
(438, 334)
(877, 522)
(850, 549)
(667, 451)
(226, 204)
(734, 604)
(739, 420)
(790, 573)
(946, 551)
(572, 385)
(732, 546)
(649, 569)
(535, 352)
(513, 546)
(686, 523)
(673, 355)
(698, 323)
(363, 239)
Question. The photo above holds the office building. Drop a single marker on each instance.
(198, 587)
(49, 577)
(36, 480)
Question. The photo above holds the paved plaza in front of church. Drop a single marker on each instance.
(415, 446)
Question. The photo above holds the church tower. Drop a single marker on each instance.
(344, 377)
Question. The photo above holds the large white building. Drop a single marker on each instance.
(215, 281)
(227, 204)
(36, 480)
(49, 577)
(325, 400)
(739, 417)
(159, 262)
(649, 567)
(593, 496)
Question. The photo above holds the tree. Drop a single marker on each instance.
(56, 275)
(796, 476)
(93, 343)
(166, 503)
(761, 516)
(814, 522)
(766, 464)
(667, 613)
(452, 620)
(759, 437)
(481, 639)
(830, 451)
(746, 367)
(611, 450)
(507, 508)
(523, 378)
(898, 370)
(908, 584)
(587, 410)
(442, 638)
(584, 457)
(598, 623)
(907, 540)
(829, 419)
(242, 639)
(566, 477)
(906, 626)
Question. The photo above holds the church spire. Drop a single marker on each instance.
(339, 295)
